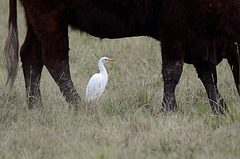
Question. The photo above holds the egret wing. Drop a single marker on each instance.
(95, 87)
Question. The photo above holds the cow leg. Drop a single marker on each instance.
(171, 75)
(61, 74)
(208, 76)
(234, 62)
(57, 62)
(32, 67)
(55, 48)
(172, 55)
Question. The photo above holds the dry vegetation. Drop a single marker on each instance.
(123, 123)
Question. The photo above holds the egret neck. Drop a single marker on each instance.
(103, 71)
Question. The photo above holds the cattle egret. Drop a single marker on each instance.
(98, 81)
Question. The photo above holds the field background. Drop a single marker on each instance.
(123, 123)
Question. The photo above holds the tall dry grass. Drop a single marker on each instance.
(123, 123)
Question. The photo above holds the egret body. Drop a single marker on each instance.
(98, 81)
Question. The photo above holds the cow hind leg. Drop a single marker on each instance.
(55, 57)
(61, 74)
(32, 67)
(208, 76)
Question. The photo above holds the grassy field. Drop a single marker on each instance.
(123, 123)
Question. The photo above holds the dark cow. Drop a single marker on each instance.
(199, 32)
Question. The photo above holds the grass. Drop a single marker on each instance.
(124, 122)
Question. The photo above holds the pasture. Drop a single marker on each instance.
(125, 122)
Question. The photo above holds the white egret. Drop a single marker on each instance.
(98, 81)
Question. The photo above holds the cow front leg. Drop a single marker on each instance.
(208, 75)
(171, 75)
(233, 57)
(173, 53)
(32, 67)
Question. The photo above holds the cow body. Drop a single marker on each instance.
(200, 32)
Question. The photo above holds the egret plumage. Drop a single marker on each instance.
(98, 81)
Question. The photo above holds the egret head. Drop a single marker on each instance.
(105, 60)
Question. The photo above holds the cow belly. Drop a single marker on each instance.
(106, 22)
(206, 50)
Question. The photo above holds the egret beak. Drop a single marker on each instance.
(111, 59)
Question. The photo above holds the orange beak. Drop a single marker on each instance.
(111, 59)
